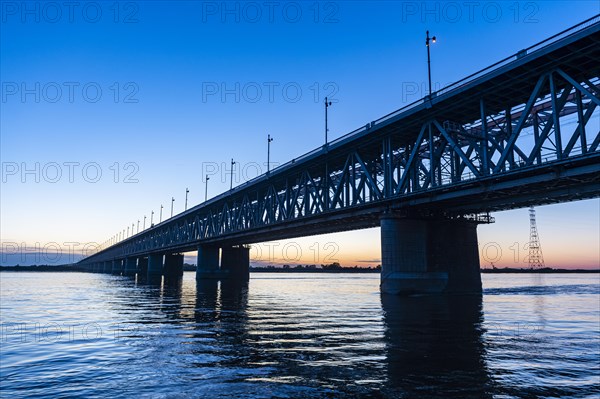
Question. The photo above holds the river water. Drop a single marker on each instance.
(297, 336)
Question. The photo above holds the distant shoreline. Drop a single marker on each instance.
(74, 268)
(546, 270)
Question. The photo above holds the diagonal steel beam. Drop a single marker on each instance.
(517, 131)
(456, 148)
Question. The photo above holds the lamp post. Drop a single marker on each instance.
(160, 219)
(144, 227)
(429, 59)
(206, 188)
(152, 219)
(187, 190)
(232, 164)
(138, 227)
(269, 139)
(172, 200)
(327, 105)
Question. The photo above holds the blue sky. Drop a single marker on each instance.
(165, 92)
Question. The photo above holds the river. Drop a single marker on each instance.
(286, 335)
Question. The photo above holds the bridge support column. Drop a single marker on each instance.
(207, 265)
(107, 268)
(455, 250)
(130, 266)
(117, 266)
(174, 265)
(235, 261)
(142, 265)
(429, 256)
(155, 265)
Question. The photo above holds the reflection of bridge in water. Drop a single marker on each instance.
(421, 346)
(521, 132)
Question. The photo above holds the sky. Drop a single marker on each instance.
(111, 109)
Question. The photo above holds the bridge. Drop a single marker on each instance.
(523, 131)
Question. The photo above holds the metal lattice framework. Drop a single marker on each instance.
(535, 259)
(523, 133)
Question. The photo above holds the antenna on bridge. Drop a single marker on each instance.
(536, 259)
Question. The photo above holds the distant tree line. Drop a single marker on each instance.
(334, 267)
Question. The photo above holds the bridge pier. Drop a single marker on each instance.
(235, 261)
(173, 265)
(117, 266)
(155, 265)
(207, 264)
(107, 267)
(429, 256)
(130, 266)
(142, 265)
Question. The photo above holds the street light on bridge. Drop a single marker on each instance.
(429, 60)
(144, 227)
(206, 188)
(187, 190)
(138, 229)
(269, 139)
(172, 200)
(160, 219)
(152, 219)
(327, 105)
(232, 164)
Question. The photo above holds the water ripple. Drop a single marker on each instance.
(296, 336)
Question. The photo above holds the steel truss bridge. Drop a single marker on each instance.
(524, 131)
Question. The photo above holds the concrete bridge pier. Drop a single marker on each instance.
(155, 265)
(130, 266)
(117, 266)
(207, 265)
(235, 261)
(106, 267)
(173, 265)
(142, 265)
(429, 256)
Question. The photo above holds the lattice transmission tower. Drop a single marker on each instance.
(536, 259)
